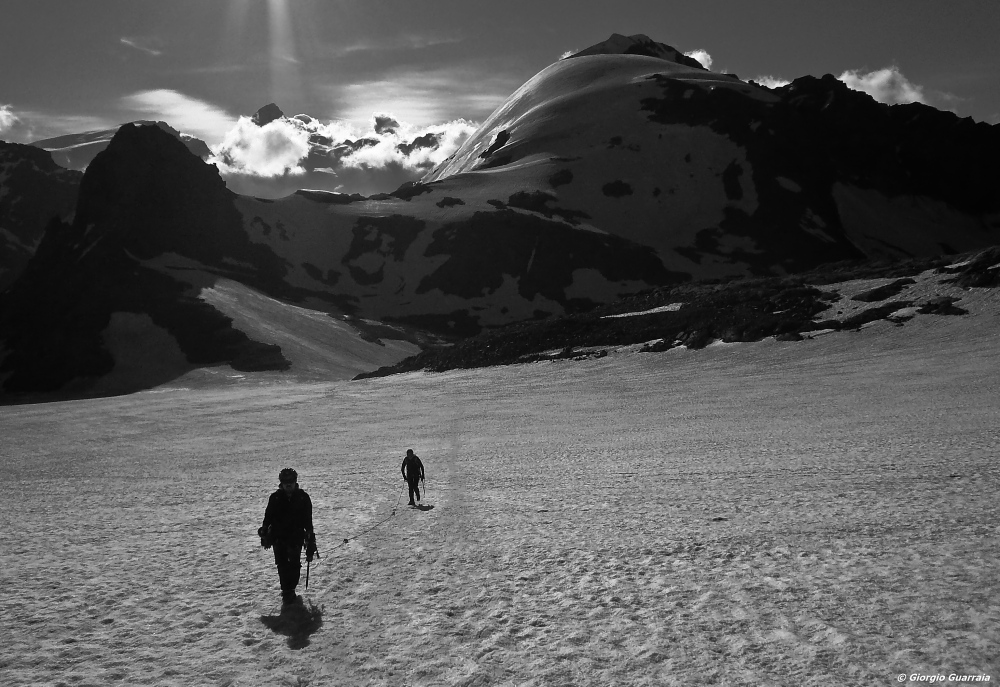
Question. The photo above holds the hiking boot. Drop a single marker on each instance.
(288, 597)
(411, 503)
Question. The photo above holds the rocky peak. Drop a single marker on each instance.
(147, 172)
(639, 44)
(142, 197)
(267, 114)
(195, 145)
(14, 153)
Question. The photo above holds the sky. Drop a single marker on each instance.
(442, 66)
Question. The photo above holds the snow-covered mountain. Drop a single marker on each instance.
(722, 176)
(624, 167)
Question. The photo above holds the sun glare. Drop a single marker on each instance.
(245, 21)
(286, 77)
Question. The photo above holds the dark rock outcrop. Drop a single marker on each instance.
(639, 44)
(481, 252)
(143, 199)
(982, 270)
(832, 140)
(428, 140)
(33, 191)
(385, 124)
(267, 114)
(880, 293)
(694, 315)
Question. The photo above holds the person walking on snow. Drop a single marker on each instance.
(413, 472)
(287, 526)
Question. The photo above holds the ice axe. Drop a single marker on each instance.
(309, 562)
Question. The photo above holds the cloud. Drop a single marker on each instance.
(395, 43)
(424, 97)
(275, 149)
(188, 115)
(886, 85)
(225, 68)
(303, 152)
(7, 118)
(380, 133)
(702, 57)
(411, 148)
(142, 45)
(771, 81)
(25, 126)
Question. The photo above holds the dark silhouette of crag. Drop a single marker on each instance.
(143, 198)
(34, 190)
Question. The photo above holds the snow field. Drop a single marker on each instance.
(809, 513)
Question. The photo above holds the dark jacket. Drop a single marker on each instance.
(412, 468)
(288, 517)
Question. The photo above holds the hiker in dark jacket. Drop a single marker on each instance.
(287, 526)
(413, 472)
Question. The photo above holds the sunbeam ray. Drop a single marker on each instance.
(286, 78)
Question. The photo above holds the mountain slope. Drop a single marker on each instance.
(33, 191)
(724, 177)
(154, 231)
(842, 297)
(452, 265)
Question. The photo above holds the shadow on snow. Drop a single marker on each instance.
(297, 621)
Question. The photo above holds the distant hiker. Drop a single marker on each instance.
(413, 472)
(287, 526)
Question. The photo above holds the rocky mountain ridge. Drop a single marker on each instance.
(841, 297)
(76, 151)
(33, 191)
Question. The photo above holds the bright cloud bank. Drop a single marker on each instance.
(352, 159)
(886, 85)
